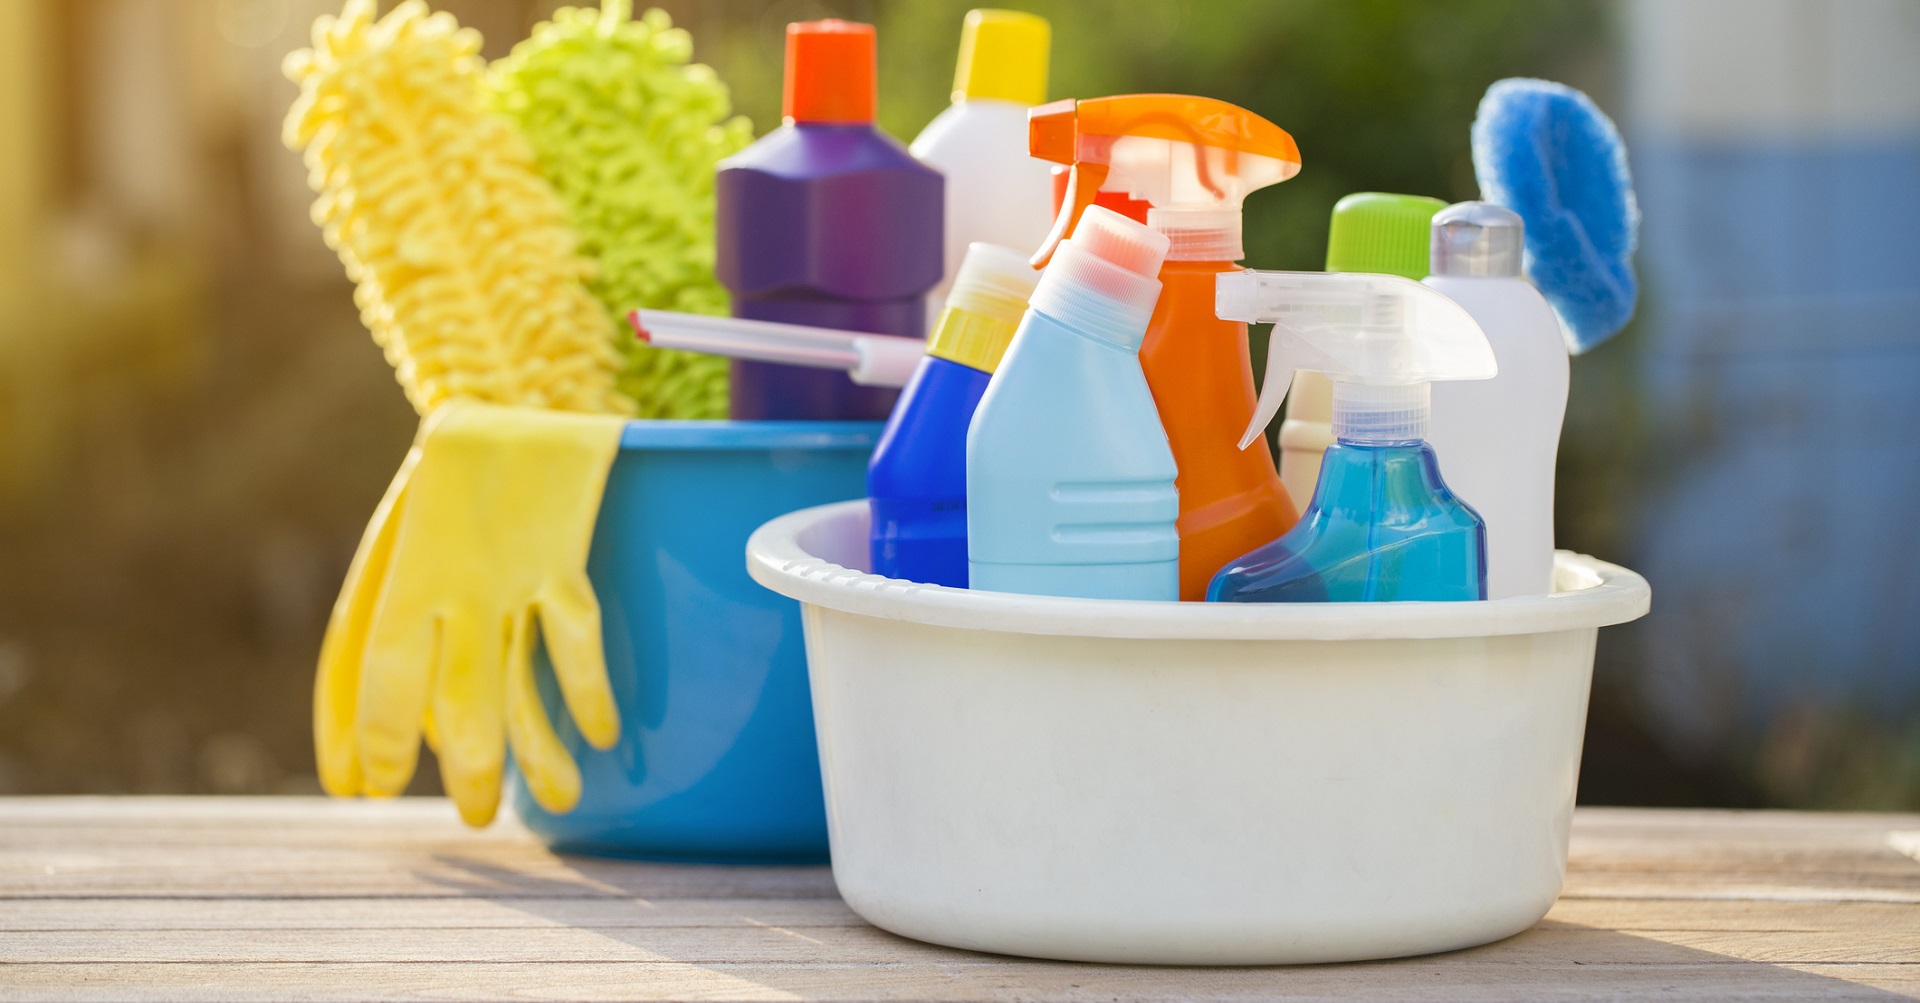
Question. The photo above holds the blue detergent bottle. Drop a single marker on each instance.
(1382, 526)
(1069, 473)
(917, 482)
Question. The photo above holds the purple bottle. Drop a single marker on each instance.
(826, 221)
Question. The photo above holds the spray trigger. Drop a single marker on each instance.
(1290, 348)
(1357, 328)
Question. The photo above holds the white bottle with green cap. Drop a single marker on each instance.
(1501, 437)
(1378, 232)
(996, 192)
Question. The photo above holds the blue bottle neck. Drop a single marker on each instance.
(1388, 484)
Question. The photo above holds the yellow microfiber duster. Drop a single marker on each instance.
(465, 267)
(467, 274)
(628, 132)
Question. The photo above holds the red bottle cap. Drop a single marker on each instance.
(831, 72)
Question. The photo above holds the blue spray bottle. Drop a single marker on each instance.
(1069, 473)
(1382, 526)
(917, 481)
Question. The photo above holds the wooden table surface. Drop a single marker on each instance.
(302, 898)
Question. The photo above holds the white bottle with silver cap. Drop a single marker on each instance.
(1501, 437)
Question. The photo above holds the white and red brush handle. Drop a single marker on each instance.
(873, 360)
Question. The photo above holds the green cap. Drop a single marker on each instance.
(1378, 232)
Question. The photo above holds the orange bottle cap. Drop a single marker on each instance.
(831, 73)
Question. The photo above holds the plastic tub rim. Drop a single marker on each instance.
(656, 433)
(1593, 594)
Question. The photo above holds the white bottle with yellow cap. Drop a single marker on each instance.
(996, 192)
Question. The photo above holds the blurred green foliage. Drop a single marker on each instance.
(1378, 93)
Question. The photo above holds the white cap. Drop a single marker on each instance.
(1102, 279)
(1380, 338)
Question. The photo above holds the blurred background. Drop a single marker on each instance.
(194, 427)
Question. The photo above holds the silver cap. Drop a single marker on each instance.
(1477, 239)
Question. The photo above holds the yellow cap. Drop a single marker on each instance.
(989, 297)
(1003, 54)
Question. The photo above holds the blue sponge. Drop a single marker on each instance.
(1547, 152)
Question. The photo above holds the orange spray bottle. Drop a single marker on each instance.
(1192, 160)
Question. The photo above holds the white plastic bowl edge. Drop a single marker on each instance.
(1183, 783)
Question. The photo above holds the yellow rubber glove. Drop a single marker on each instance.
(486, 525)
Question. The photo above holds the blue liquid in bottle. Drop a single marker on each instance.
(1382, 527)
(917, 482)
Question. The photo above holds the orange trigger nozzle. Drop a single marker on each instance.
(1083, 186)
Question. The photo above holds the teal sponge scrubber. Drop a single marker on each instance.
(627, 129)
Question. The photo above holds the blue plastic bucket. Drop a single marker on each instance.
(716, 760)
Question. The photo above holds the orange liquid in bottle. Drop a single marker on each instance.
(1197, 365)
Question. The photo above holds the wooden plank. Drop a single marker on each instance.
(675, 934)
(315, 847)
(1548, 943)
(316, 873)
(1894, 981)
(391, 914)
(1007, 980)
(111, 898)
(1632, 915)
(1748, 855)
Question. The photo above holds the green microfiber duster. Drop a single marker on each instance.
(628, 130)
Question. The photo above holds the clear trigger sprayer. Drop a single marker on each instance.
(1382, 525)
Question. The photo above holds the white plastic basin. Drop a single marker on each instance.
(1188, 783)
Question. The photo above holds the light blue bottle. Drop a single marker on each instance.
(1382, 526)
(1069, 474)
